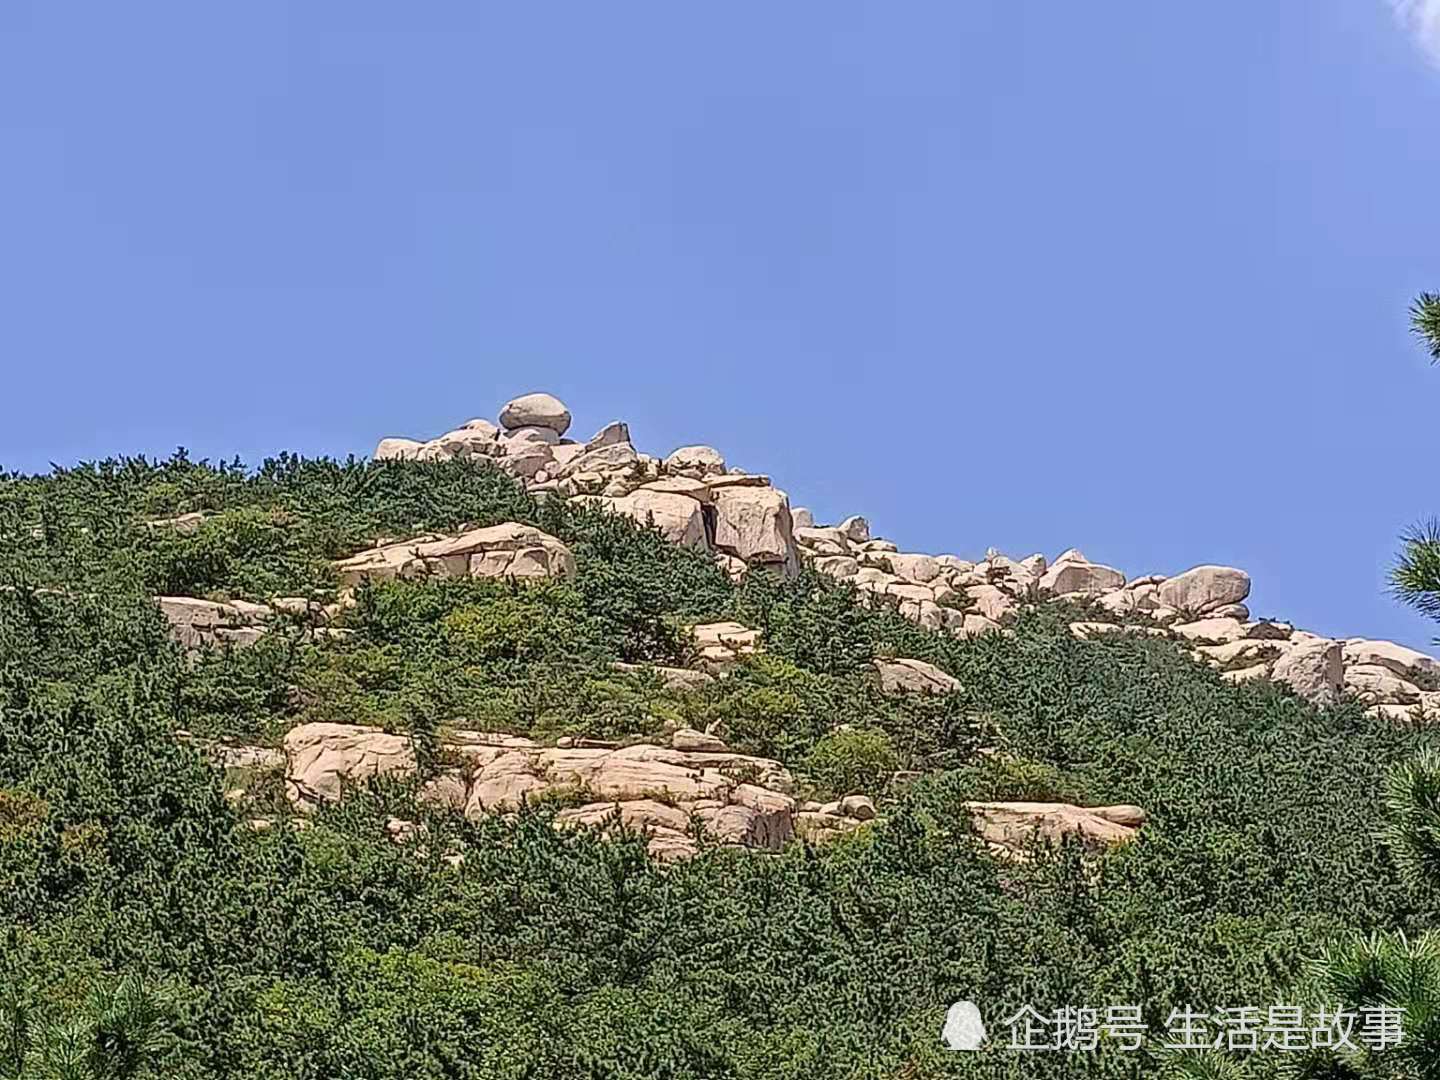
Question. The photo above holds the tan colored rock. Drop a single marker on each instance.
(398, 450)
(724, 644)
(1245, 649)
(698, 490)
(689, 739)
(905, 591)
(914, 677)
(467, 442)
(535, 410)
(753, 524)
(1374, 684)
(1404, 662)
(506, 782)
(612, 434)
(822, 536)
(526, 459)
(735, 478)
(859, 807)
(972, 625)
(919, 569)
(605, 463)
(1202, 589)
(1009, 826)
(680, 519)
(801, 517)
(323, 757)
(836, 566)
(197, 623)
(695, 461)
(992, 602)
(1072, 575)
(856, 529)
(1229, 611)
(1217, 630)
(1406, 715)
(509, 550)
(1313, 669)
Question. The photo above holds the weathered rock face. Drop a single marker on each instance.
(696, 461)
(509, 550)
(914, 677)
(1203, 589)
(1406, 663)
(1072, 574)
(322, 758)
(1313, 669)
(197, 623)
(675, 794)
(1008, 827)
(753, 524)
(680, 518)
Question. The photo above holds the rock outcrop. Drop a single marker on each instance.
(1009, 827)
(509, 550)
(903, 676)
(696, 499)
(690, 496)
(679, 794)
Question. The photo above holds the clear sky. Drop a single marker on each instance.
(1126, 276)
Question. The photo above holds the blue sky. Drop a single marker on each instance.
(1130, 277)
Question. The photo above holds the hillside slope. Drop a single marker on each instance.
(393, 911)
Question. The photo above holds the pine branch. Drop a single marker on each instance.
(1415, 579)
(1425, 322)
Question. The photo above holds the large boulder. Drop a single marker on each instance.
(1313, 669)
(1374, 684)
(695, 461)
(322, 758)
(508, 550)
(901, 676)
(1406, 663)
(753, 524)
(196, 623)
(1204, 589)
(679, 518)
(1073, 574)
(398, 449)
(535, 410)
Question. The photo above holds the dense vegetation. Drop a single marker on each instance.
(150, 932)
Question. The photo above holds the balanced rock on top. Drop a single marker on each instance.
(536, 411)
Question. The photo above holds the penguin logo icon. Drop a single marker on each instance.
(964, 1029)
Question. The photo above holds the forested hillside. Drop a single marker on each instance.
(169, 916)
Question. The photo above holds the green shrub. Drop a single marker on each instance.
(846, 762)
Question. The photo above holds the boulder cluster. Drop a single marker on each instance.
(690, 495)
(678, 795)
(695, 499)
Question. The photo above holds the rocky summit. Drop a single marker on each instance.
(695, 499)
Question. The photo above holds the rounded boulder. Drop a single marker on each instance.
(536, 410)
